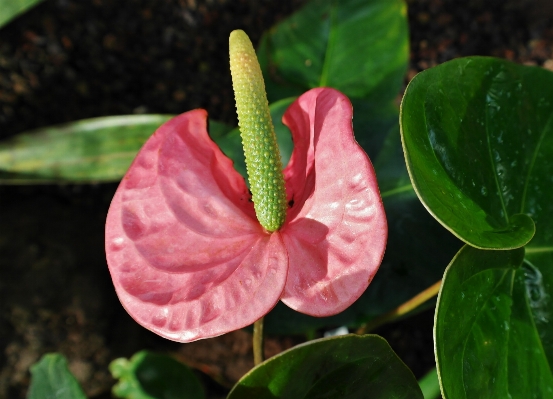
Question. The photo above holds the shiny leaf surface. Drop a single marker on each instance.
(89, 150)
(347, 366)
(478, 138)
(492, 333)
(85, 151)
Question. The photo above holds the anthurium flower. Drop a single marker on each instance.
(187, 256)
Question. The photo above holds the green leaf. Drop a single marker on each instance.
(150, 375)
(51, 379)
(430, 385)
(348, 366)
(359, 47)
(89, 150)
(492, 333)
(478, 140)
(9, 9)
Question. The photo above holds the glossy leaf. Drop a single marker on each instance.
(359, 47)
(51, 379)
(149, 375)
(9, 9)
(492, 334)
(89, 150)
(478, 139)
(348, 366)
(99, 149)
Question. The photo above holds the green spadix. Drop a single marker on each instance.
(263, 161)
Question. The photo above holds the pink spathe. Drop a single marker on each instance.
(187, 256)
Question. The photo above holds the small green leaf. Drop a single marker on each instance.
(51, 379)
(430, 385)
(348, 366)
(85, 151)
(359, 47)
(492, 333)
(9, 9)
(149, 375)
(478, 140)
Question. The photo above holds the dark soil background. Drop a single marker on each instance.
(71, 59)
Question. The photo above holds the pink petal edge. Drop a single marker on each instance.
(336, 232)
(187, 257)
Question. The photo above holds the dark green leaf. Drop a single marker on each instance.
(9, 9)
(478, 139)
(389, 164)
(217, 129)
(373, 124)
(492, 333)
(149, 375)
(51, 379)
(348, 366)
(359, 47)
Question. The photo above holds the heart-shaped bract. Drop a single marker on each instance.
(187, 256)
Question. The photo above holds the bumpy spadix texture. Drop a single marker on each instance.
(187, 256)
(261, 151)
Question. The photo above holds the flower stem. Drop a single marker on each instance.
(258, 342)
(261, 151)
(402, 309)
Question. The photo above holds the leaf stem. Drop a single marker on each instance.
(258, 342)
(402, 309)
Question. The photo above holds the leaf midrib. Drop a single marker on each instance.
(474, 322)
(533, 162)
(494, 170)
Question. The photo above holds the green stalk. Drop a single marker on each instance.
(402, 309)
(258, 342)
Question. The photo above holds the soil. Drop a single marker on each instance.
(71, 59)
